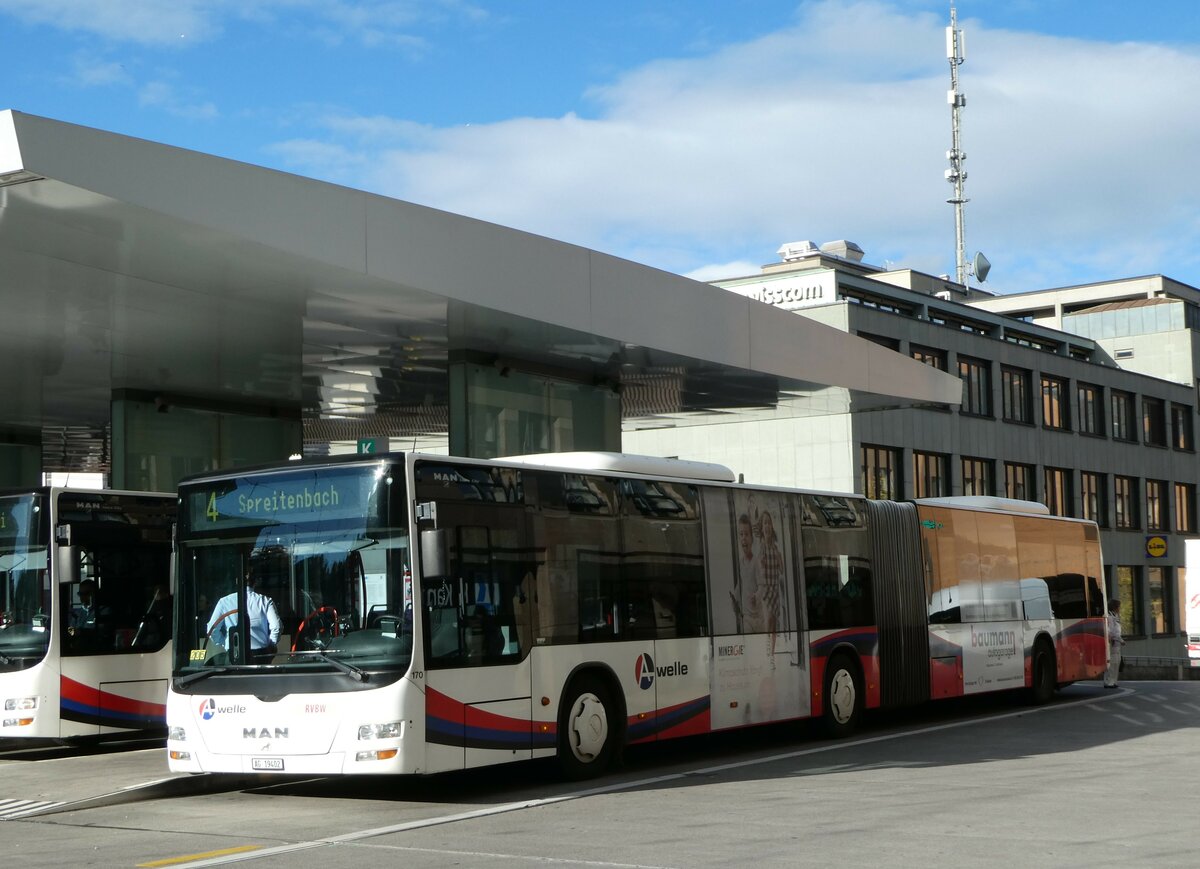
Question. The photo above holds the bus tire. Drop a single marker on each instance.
(1044, 675)
(587, 731)
(843, 700)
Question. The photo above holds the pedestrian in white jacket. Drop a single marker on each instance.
(1115, 641)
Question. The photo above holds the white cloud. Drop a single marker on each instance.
(161, 95)
(371, 23)
(92, 72)
(722, 271)
(142, 21)
(837, 127)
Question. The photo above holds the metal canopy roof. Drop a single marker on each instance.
(130, 265)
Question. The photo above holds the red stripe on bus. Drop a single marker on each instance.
(93, 697)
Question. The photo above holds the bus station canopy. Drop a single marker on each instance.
(130, 267)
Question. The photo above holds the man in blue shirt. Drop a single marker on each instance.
(264, 621)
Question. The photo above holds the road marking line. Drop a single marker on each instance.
(175, 861)
(10, 810)
(528, 858)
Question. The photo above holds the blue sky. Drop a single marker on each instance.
(695, 136)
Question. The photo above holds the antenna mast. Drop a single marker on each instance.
(956, 175)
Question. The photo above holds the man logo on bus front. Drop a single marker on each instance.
(643, 671)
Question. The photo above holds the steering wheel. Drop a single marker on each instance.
(324, 623)
(217, 623)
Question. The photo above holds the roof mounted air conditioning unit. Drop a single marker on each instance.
(797, 250)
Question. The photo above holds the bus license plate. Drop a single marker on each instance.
(275, 764)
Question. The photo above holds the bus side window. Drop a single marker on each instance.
(664, 600)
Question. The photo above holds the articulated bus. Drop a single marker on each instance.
(434, 613)
(85, 612)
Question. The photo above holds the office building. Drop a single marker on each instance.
(1080, 398)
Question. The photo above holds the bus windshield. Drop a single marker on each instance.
(24, 583)
(318, 559)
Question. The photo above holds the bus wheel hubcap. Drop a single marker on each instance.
(841, 696)
(589, 727)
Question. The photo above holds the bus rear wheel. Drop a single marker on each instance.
(1044, 675)
(843, 696)
(587, 732)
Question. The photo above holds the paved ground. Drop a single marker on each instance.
(1103, 778)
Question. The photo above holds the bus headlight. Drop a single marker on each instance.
(382, 754)
(176, 734)
(391, 730)
(14, 703)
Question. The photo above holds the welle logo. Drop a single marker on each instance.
(644, 671)
(209, 709)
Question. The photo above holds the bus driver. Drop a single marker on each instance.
(265, 624)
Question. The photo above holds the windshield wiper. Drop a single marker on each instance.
(5, 661)
(358, 674)
(203, 674)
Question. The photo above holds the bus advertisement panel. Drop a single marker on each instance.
(415, 613)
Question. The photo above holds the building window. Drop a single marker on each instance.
(977, 476)
(934, 359)
(1156, 585)
(1094, 498)
(1185, 507)
(881, 472)
(1125, 502)
(1121, 407)
(1089, 409)
(930, 477)
(1154, 425)
(1058, 491)
(1181, 427)
(1129, 591)
(1018, 481)
(1156, 505)
(1015, 397)
(1055, 407)
(976, 376)
(929, 356)
(881, 340)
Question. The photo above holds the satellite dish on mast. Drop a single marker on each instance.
(980, 267)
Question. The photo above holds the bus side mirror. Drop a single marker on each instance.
(68, 565)
(434, 549)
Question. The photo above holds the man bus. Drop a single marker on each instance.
(440, 613)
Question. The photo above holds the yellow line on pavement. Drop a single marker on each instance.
(224, 852)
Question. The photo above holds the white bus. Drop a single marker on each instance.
(439, 613)
(85, 612)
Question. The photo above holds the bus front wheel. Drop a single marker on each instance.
(586, 730)
(843, 696)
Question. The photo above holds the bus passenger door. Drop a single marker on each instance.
(81, 629)
(478, 706)
(108, 683)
